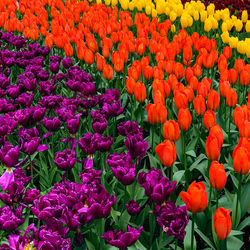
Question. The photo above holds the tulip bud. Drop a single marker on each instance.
(231, 98)
(222, 223)
(171, 130)
(241, 159)
(184, 119)
(140, 91)
(213, 100)
(212, 148)
(217, 175)
(209, 119)
(157, 113)
(199, 105)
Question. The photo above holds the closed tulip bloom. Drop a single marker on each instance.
(179, 70)
(172, 80)
(241, 160)
(180, 99)
(244, 77)
(107, 72)
(231, 98)
(157, 113)
(140, 92)
(227, 52)
(224, 87)
(197, 70)
(209, 119)
(130, 83)
(147, 72)
(216, 131)
(212, 148)
(217, 175)
(239, 64)
(184, 119)
(158, 97)
(202, 89)
(244, 129)
(171, 130)
(232, 76)
(239, 116)
(188, 73)
(222, 223)
(166, 152)
(193, 82)
(199, 105)
(190, 93)
(213, 100)
(196, 197)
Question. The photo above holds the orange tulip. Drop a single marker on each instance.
(231, 98)
(187, 55)
(180, 99)
(212, 147)
(232, 76)
(68, 49)
(217, 175)
(227, 52)
(222, 63)
(130, 83)
(100, 61)
(244, 129)
(197, 70)
(224, 88)
(199, 105)
(172, 80)
(244, 78)
(193, 82)
(147, 72)
(171, 130)
(158, 97)
(157, 113)
(184, 119)
(188, 73)
(213, 100)
(239, 116)
(107, 72)
(216, 131)
(118, 65)
(196, 197)
(166, 152)
(239, 64)
(179, 70)
(189, 93)
(209, 119)
(222, 223)
(169, 67)
(140, 92)
(202, 89)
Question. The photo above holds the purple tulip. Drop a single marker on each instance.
(113, 109)
(133, 207)
(65, 160)
(55, 59)
(54, 67)
(38, 113)
(157, 187)
(13, 91)
(31, 195)
(99, 124)
(46, 87)
(88, 144)
(136, 146)
(51, 123)
(9, 155)
(19, 175)
(22, 116)
(122, 239)
(173, 220)
(103, 143)
(73, 125)
(10, 221)
(129, 128)
(122, 168)
(6, 178)
(25, 99)
(43, 75)
(67, 62)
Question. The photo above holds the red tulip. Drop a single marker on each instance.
(217, 175)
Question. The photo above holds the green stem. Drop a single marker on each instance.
(184, 150)
(152, 136)
(238, 198)
(223, 244)
(230, 114)
(192, 233)
(217, 198)
(175, 244)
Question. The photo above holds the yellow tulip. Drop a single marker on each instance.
(131, 6)
(148, 10)
(224, 27)
(247, 27)
(107, 2)
(196, 15)
(114, 2)
(225, 37)
(190, 21)
(210, 9)
(154, 13)
(217, 15)
(172, 16)
(229, 24)
(233, 42)
(208, 25)
(184, 21)
(167, 11)
(139, 6)
(179, 9)
(248, 51)
(244, 16)
(98, 1)
(173, 29)
(238, 25)
(203, 15)
(241, 47)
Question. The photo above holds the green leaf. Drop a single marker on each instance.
(244, 223)
(123, 221)
(178, 175)
(245, 198)
(191, 153)
(235, 232)
(187, 239)
(115, 215)
(139, 245)
(205, 238)
(236, 220)
(192, 144)
(233, 243)
(216, 240)
(90, 245)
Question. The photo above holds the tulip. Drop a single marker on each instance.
(130, 83)
(241, 159)
(195, 197)
(107, 72)
(140, 91)
(212, 147)
(157, 113)
(224, 88)
(65, 160)
(222, 223)
(184, 119)
(171, 130)
(216, 131)
(167, 153)
(209, 119)
(213, 100)
(244, 77)
(232, 76)
(180, 99)
(217, 175)
(133, 207)
(199, 105)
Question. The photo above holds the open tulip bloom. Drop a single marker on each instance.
(124, 123)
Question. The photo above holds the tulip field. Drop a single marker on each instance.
(124, 124)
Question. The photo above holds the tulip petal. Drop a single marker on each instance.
(6, 179)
